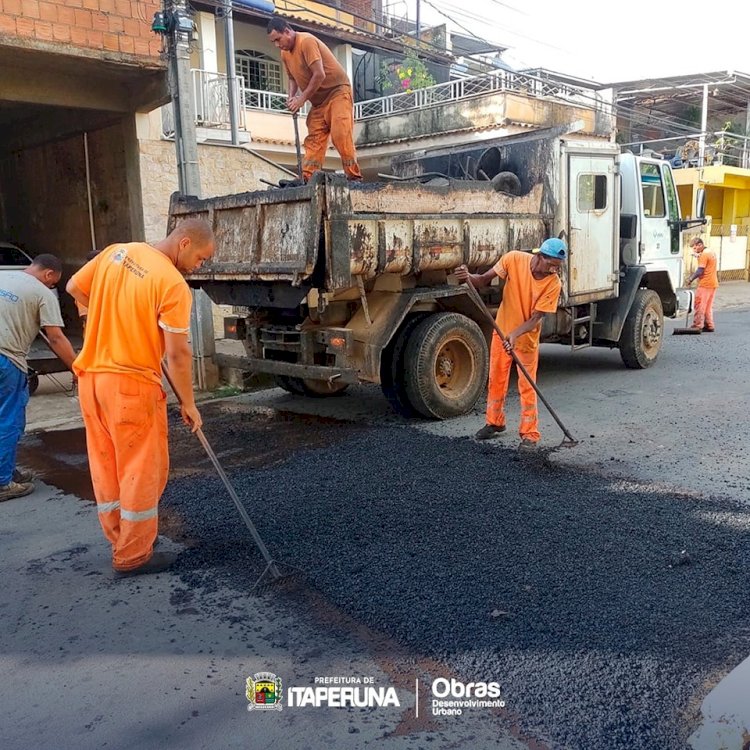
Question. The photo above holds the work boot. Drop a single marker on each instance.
(528, 446)
(22, 477)
(15, 489)
(157, 563)
(706, 329)
(489, 431)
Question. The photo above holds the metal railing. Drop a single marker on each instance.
(268, 101)
(211, 97)
(466, 88)
(719, 147)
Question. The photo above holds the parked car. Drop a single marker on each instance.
(12, 258)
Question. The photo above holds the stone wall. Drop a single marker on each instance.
(223, 169)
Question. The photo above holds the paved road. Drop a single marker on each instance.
(162, 662)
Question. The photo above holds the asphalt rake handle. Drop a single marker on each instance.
(297, 145)
(474, 294)
(270, 564)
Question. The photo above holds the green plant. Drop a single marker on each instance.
(406, 76)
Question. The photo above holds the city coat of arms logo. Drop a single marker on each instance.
(119, 256)
(264, 692)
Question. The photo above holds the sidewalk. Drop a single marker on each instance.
(732, 295)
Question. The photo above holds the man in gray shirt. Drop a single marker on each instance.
(27, 305)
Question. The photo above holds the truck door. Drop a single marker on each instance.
(593, 215)
(660, 249)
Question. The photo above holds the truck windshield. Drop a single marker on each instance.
(653, 191)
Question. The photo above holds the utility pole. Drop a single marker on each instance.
(419, 26)
(231, 72)
(179, 34)
(704, 126)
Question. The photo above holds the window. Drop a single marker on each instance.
(653, 192)
(259, 71)
(592, 192)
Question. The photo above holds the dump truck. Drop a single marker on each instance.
(339, 283)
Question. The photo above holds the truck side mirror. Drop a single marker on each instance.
(700, 203)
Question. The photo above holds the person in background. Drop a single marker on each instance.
(708, 282)
(27, 306)
(532, 289)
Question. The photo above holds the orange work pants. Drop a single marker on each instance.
(335, 119)
(704, 307)
(500, 366)
(126, 438)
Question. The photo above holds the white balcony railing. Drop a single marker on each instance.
(211, 97)
(466, 88)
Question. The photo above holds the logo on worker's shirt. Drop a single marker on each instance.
(264, 692)
(119, 256)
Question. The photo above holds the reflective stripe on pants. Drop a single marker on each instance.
(126, 438)
(500, 366)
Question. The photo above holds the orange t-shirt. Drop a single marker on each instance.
(298, 61)
(523, 295)
(710, 278)
(135, 294)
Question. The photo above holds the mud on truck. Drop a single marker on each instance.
(344, 283)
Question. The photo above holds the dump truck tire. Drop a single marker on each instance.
(309, 387)
(643, 332)
(507, 182)
(290, 385)
(321, 388)
(392, 368)
(445, 365)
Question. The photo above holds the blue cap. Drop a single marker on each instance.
(554, 248)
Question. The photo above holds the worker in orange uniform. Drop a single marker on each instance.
(707, 274)
(532, 289)
(315, 75)
(138, 308)
(82, 309)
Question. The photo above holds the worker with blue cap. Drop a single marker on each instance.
(531, 290)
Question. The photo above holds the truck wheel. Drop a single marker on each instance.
(290, 385)
(445, 365)
(642, 334)
(321, 388)
(309, 387)
(392, 368)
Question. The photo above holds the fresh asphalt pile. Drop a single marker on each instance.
(602, 609)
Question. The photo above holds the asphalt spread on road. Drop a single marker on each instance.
(602, 607)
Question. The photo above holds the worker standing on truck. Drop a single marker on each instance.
(532, 289)
(315, 75)
(27, 305)
(703, 317)
(138, 308)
